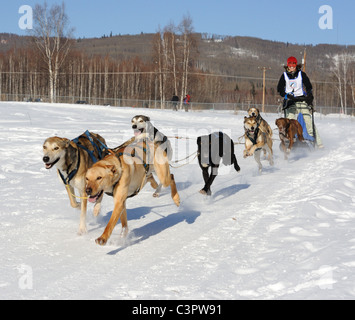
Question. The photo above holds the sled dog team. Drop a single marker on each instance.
(88, 165)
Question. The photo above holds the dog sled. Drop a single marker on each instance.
(297, 108)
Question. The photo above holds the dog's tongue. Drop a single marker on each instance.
(137, 132)
(92, 200)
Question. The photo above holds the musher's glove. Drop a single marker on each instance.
(290, 97)
(309, 99)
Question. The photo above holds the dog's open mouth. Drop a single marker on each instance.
(50, 165)
(93, 199)
(137, 132)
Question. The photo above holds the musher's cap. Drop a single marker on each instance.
(291, 61)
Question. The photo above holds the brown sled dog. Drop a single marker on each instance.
(123, 174)
(72, 159)
(288, 128)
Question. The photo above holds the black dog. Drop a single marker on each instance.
(211, 150)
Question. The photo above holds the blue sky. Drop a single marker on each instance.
(294, 21)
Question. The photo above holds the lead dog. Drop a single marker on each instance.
(123, 174)
(256, 140)
(145, 131)
(73, 158)
(263, 125)
(211, 149)
(288, 129)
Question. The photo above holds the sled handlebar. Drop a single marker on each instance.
(289, 102)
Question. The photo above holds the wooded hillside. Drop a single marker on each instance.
(220, 69)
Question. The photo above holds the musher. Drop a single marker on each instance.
(291, 87)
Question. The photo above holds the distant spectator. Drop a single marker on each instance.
(175, 100)
(187, 102)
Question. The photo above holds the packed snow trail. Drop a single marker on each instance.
(283, 234)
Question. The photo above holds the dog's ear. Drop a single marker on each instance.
(111, 169)
(66, 142)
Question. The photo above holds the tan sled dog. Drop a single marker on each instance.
(73, 158)
(262, 123)
(256, 140)
(123, 174)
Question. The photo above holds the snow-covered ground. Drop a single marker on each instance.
(287, 233)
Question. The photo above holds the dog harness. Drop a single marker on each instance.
(253, 139)
(132, 154)
(70, 175)
(284, 134)
(101, 151)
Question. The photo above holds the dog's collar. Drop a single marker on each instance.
(284, 132)
(113, 188)
(131, 154)
(111, 194)
(70, 175)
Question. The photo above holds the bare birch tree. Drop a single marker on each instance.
(172, 54)
(188, 43)
(341, 71)
(352, 84)
(171, 51)
(159, 63)
(52, 37)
